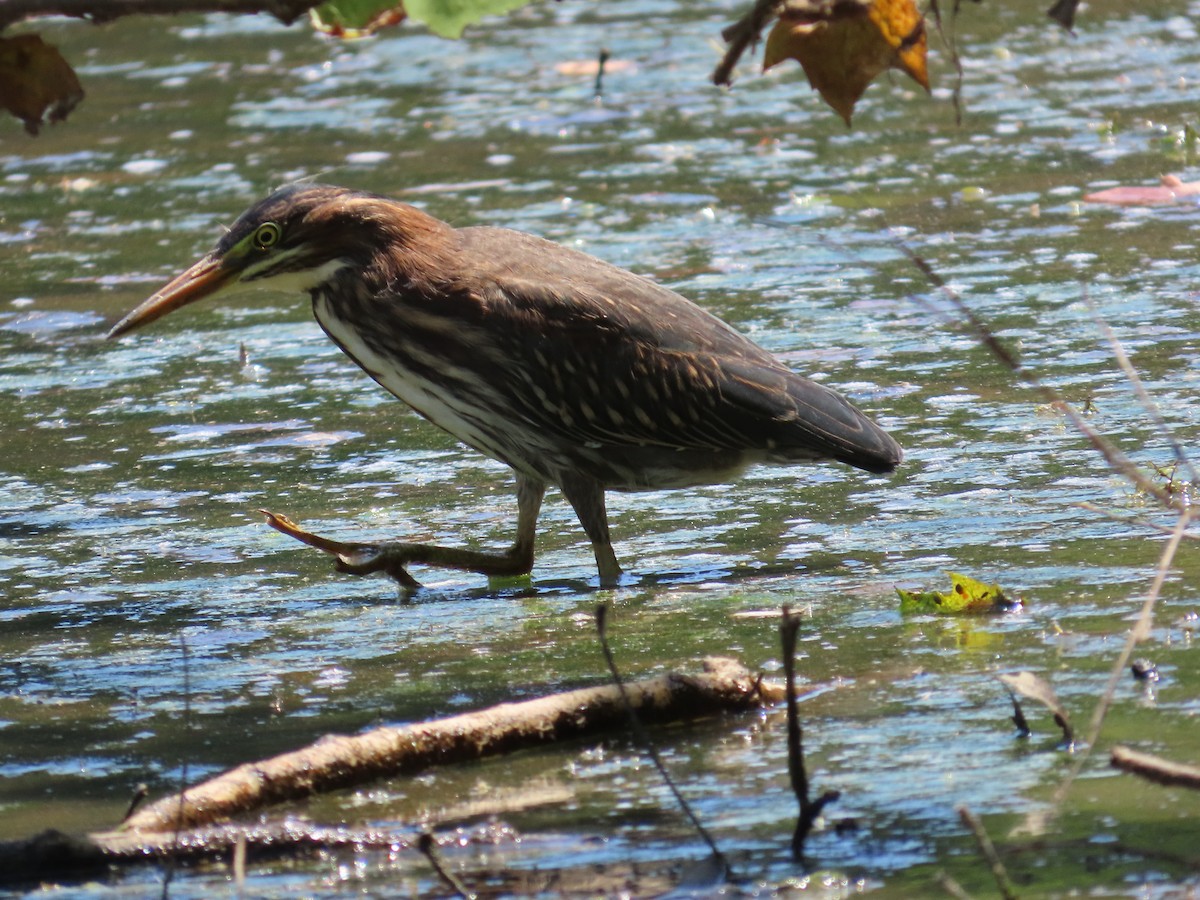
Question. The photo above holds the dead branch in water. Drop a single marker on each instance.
(190, 823)
(810, 810)
(640, 733)
(53, 855)
(340, 761)
(1155, 768)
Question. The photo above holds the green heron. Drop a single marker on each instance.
(574, 372)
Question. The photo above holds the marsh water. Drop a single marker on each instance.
(155, 631)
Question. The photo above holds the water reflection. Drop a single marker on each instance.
(131, 471)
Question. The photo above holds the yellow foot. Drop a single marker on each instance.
(354, 559)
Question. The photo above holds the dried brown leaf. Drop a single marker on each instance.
(845, 51)
(36, 83)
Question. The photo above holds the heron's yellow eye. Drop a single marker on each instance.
(267, 235)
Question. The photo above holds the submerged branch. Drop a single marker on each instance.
(53, 855)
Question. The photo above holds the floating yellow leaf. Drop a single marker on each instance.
(35, 81)
(844, 51)
(967, 596)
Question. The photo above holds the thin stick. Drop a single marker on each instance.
(988, 849)
(1113, 456)
(428, 846)
(239, 865)
(952, 887)
(598, 89)
(741, 35)
(139, 794)
(1139, 388)
(644, 738)
(1155, 768)
(169, 873)
(1133, 520)
(1139, 632)
(950, 39)
(810, 810)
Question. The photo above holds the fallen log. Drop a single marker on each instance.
(341, 761)
(189, 823)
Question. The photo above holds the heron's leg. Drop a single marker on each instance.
(393, 557)
(586, 496)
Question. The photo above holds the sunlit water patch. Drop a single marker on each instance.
(154, 623)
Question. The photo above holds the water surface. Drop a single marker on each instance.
(154, 627)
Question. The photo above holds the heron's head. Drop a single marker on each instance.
(295, 240)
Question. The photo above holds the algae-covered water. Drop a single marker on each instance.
(154, 629)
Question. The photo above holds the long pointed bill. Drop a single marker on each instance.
(202, 280)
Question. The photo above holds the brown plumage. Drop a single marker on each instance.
(572, 371)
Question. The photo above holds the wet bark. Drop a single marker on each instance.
(341, 761)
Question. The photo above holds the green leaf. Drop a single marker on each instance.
(448, 18)
(966, 597)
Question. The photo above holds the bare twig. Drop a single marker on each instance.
(428, 846)
(1139, 389)
(952, 887)
(743, 33)
(949, 37)
(13, 11)
(598, 88)
(172, 858)
(239, 865)
(1155, 768)
(1134, 520)
(139, 794)
(1116, 459)
(988, 849)
(810, 810)
(648, 745)
(1137, 634)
